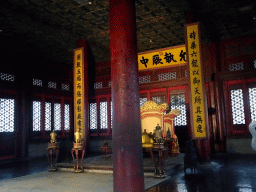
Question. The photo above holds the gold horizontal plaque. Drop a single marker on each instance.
(162, 58)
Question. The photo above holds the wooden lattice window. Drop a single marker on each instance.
(48, 115)
(252, 98)
(98, 85)
(36, 116)
(57, 116)
(65, 87)
(52, 85)
(93, 115)
(144, 79)
(167, 76)
(111, 118)
(236, 66)
(37, 82)
(159, 99)
(178, 102)
(143, 100)
(103, 115)
(6, 115)
(237, 106)
(6, 77)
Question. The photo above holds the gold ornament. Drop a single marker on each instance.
(175, 112)
(53, 136)
(151, 105)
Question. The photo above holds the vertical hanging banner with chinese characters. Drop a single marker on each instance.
(199, 120)
(166, 57)
(79, 116)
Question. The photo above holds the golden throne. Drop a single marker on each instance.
(153, 114)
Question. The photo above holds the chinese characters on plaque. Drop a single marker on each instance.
(196, 82)
(162, 58)
(79, 90)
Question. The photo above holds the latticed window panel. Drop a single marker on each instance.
(254, 64)
(237, 105)
(159, 99)
(252, 98)
(52, 85)
(103, 115)
(167, 76)
(236, 66)
(111, 108)
(66, 117)
(186, 73)
(6, 77)
(144, 79)
(36, 115)
(93, 115)
(57, 116)
(48, 116)
(178, 102)
(6, 115)
(98, 85)
(37, 82)
(142, 101)
(65, 87)
(109, 83)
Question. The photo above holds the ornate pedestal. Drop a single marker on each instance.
(52, 147)
(78, 147)
(160, 152)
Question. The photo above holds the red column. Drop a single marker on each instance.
(83, 43)
(127, 144)
(148, 95)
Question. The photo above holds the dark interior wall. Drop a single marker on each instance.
(26, 62)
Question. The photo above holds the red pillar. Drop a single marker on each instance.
(127, 144)
(83, 43)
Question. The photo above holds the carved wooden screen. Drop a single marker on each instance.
(93, 115)
(237, 106)
(178, 102)
(36, 116)
(103, 115)
(6, 115)
(252, 99)
(8, 132)
(241, 105)
(48, 116)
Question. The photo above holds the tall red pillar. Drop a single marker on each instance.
(127, 144)
(82, 43)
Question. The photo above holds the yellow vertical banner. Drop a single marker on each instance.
(79, 117)
(199, 120)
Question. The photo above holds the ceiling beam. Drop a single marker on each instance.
(195, 15)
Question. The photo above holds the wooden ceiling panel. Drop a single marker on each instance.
(160, 23)
(67, 4)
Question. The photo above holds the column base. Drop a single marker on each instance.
(77, 170)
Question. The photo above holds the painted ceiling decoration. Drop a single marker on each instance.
(53, 26)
